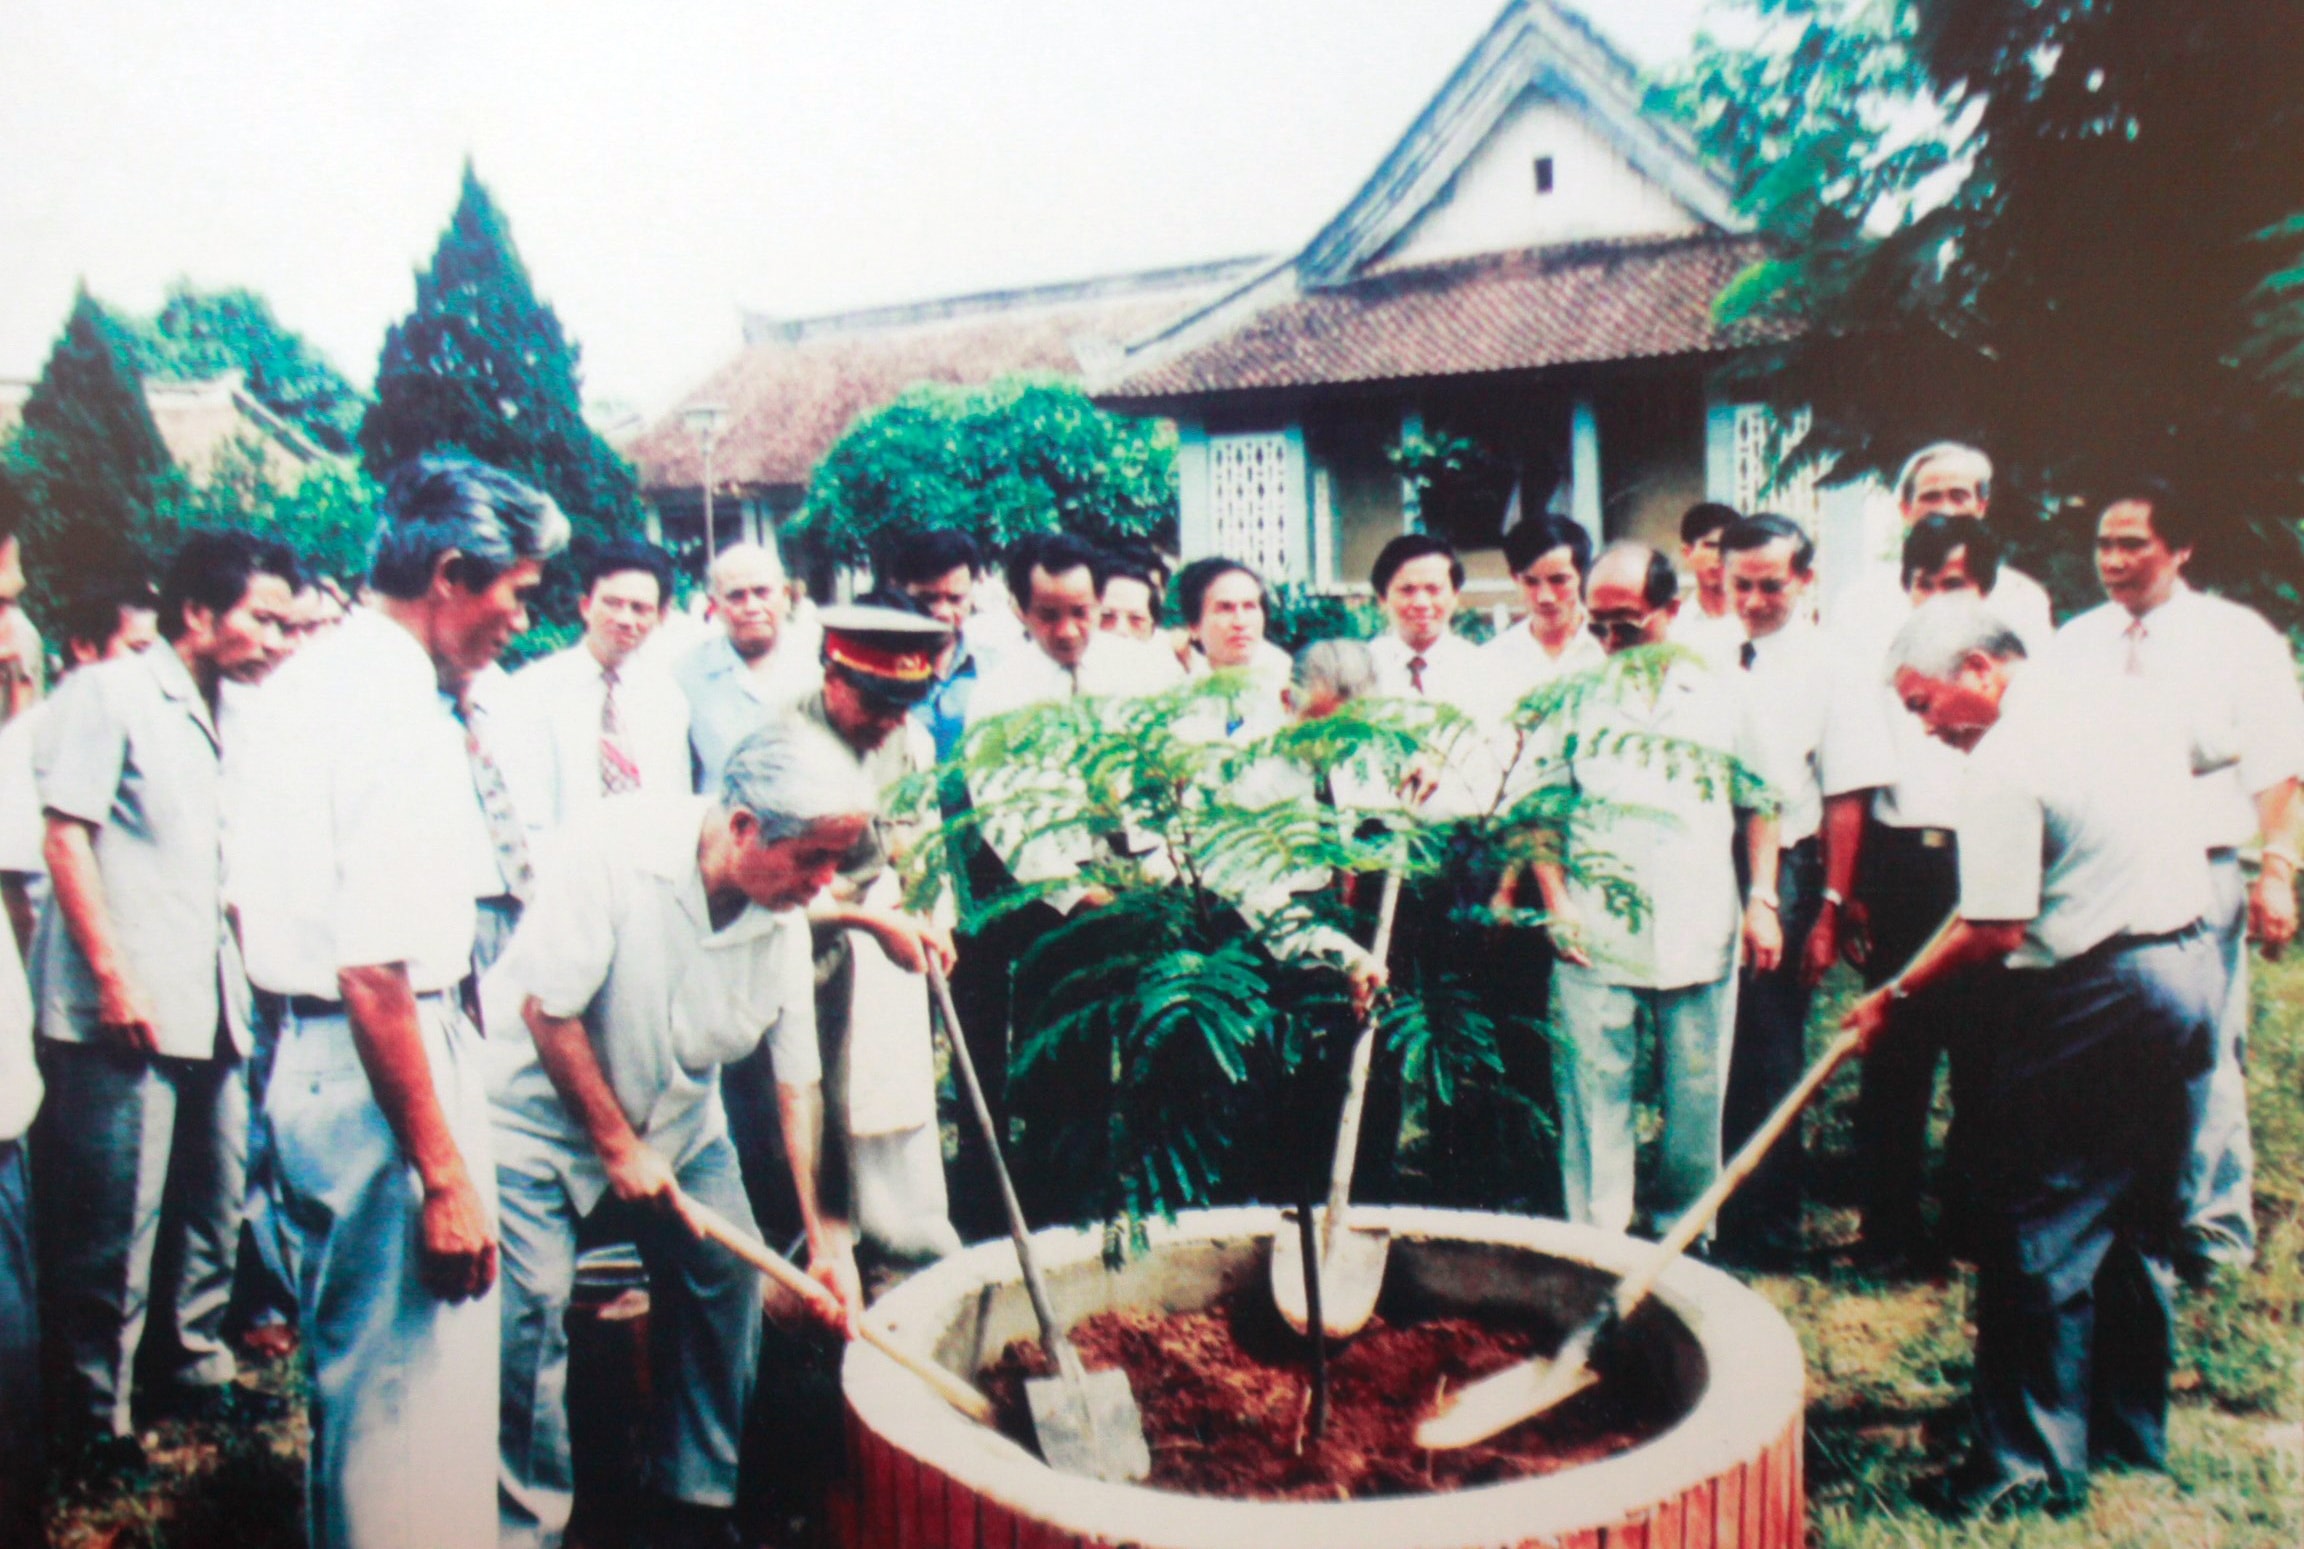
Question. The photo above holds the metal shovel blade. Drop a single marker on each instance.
(1519, 1392)
(1351, 1278)
(1090, 1425)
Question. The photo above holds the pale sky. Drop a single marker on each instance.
(667, 163)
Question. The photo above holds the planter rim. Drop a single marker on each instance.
(1755, 1387)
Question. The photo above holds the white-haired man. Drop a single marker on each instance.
(1948, 478)
(383, 820)
(738, 677)
(2077, 871)
(666, 941)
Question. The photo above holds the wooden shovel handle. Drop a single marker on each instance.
(1698, 1217)
(959, 1394)
(1356, 1083)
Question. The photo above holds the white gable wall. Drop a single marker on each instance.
(1492, 205)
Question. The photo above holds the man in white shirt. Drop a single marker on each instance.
(1128, 594)
(1947, 478)
(1548, 556)
(142, 1149)
(2235, 670)
(1054, 581)
(1825, 717)
(381, 827)
(2074, 871)
(600, 718)
(1907, 882)
(748, 668)
(1707, 622)
(1672, 836)
(665, 943)
(1225, 608)
(1417, 578)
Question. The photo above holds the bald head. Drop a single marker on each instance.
(1631, 595)
(748, 595)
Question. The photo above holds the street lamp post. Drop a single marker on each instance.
(704, 420)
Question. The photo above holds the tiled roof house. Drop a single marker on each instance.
(1533, 266)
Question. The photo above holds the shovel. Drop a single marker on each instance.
(1523, 1391)
(710, 1223)
(1087, 1422)
(1351, 1258)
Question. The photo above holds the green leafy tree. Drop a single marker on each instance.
(95, 475)
(483, 366)
(326, 514)
(1019, 455)
(198, 334)
(2064, 229)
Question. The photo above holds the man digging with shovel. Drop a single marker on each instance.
(665, 940)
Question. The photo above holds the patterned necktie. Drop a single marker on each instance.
(1416, 673)
(1746, 655)
(505, 835)
(619, 771)
(2135, 635)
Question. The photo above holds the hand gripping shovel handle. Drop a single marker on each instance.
(1356, 1084)
(960, 1395)
(1051, 1332)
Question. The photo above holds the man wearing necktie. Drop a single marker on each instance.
(2156, 633)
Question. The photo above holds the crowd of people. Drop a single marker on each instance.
(365, 986)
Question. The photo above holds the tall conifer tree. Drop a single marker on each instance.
(482, 366)
(97, 476)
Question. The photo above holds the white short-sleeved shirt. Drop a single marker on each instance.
(19, 1072)
(1715, 639)
(729, 697)
(1260, 710)
(2075, 818)
(1878, 594)
(1457, 675)
(1673, 834)
(1516, 664)
(619, 933)
(545, 730)
(366, 843)
(22, 833)
(2229, 668)
(1825, 715)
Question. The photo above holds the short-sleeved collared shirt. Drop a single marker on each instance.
(1879, 595)
(2230, 668)
(1452, 672)
(19, 1072)
(546, 731)
(1673, 829)
(1826, 717)
(2075, 816)
(1516, 664)
(728, 700)
(366, 844)
(129, 748)
(1715, 638)
(22, 833)
(620, 933)
(905, 751)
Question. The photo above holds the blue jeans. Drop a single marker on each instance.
(142, 1163)
(19, 1358)
(1596, 1041)
(404, 1384)
(2220, 1174)
(703, 1340)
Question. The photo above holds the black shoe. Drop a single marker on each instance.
(224, 1403)
(1979, 1490)
(675, 1524)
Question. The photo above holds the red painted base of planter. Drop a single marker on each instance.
(1734, 1484)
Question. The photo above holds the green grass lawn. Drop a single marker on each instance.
(1888, 1363)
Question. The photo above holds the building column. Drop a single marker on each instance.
(1719, 449)
(1411, 493)
(1195, 509)
(1584, 467)
(1300, 543)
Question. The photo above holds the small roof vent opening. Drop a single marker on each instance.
(1543, 174)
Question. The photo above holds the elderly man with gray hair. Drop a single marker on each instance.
(667, 940)
(1944, 478)
(381, 821)
(2079, 869)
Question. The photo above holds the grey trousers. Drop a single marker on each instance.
(141, 1165)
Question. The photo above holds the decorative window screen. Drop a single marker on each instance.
(1762, 440)
(1256, 498)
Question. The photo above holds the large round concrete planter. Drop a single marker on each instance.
(1727, 1474)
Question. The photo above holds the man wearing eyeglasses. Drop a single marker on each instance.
(1666, 822)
